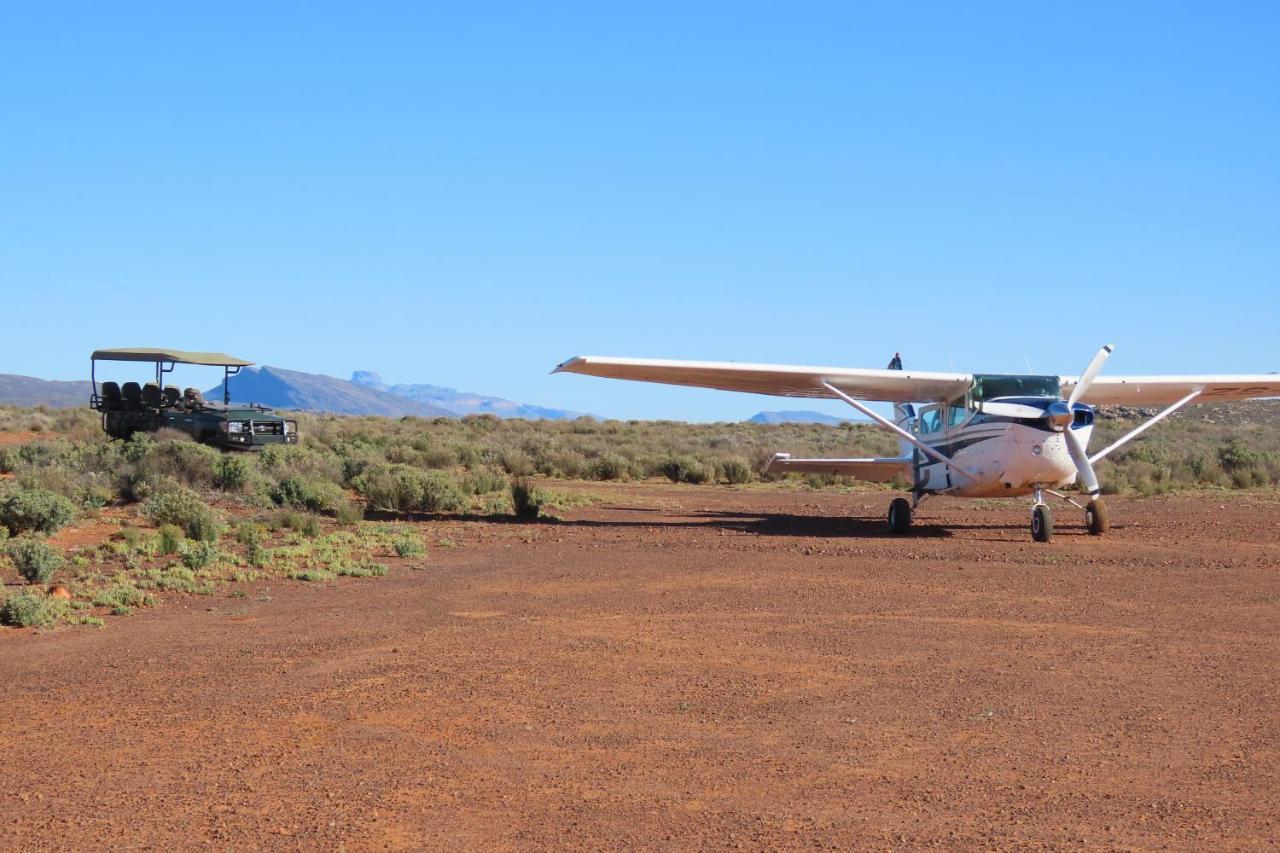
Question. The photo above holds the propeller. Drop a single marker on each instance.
(1074, 446)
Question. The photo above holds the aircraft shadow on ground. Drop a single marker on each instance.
(762, 524)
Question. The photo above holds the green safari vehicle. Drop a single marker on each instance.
(132, 407)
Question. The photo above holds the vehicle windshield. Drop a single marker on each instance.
(989, 386)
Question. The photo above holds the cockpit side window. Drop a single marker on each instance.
(956, 413)
(931, 420)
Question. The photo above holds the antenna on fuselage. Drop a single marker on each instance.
(1027, 359)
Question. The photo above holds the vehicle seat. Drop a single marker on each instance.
(110, 398)
(171, 396)
(151, 397)
(132, 394)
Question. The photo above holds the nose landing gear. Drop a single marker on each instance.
(1041, 518)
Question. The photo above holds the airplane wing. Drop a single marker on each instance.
(1164, 390)
(874, 470)
(890, 386)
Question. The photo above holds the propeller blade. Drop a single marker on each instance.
(1090, 373)
(1012, 410)
(1084, 467)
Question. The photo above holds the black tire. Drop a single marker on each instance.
(899, 515)
(1096, 517)
(1041, 523)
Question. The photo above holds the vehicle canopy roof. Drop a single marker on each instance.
(177, 356)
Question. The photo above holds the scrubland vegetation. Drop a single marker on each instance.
(192, 518)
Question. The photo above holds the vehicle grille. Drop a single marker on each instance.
(268, 428)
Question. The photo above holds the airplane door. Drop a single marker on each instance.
(931, 476)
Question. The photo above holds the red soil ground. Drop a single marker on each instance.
(680, 668)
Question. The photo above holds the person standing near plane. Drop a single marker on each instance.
(895, 363)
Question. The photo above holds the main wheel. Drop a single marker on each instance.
(1041, 523)
(1096, 517)
(899, 515)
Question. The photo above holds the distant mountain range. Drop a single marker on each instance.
(802, 417)
(29, 391)
(363, 394)
(461, 402)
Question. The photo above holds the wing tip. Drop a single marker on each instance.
(568, 364)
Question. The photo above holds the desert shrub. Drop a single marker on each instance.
(736, 470)
(609, 466)
(402, 488)
(349, 512)
(31, 608)
(526, 501)
(307, 493)
(197, 555)
(170, 538)
(122, 598)
(184, 508)
(685, 469)
(37, 510)
(183, 460)
(311, 575)
(34, 559)
(438, 457)
(233, 472)
(366, 569)
(408, 546)
(307, 525)
(516, 463)
(483, 481)
(296, 460)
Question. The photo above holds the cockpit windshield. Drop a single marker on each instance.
(989, 386)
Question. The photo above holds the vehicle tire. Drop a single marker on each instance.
(899, 516)
(1041, 523)
(1096, 517)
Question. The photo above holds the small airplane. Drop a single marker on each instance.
(967, 435)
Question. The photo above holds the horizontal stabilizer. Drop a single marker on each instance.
(874, 470)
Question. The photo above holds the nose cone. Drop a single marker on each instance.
(1059, 415)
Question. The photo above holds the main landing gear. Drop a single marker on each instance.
(1096, 519)
(899, 515)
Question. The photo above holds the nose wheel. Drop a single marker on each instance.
(1041, 518)
(1041, 523)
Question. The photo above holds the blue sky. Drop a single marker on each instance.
(468, 193)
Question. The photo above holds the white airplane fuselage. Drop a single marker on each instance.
(997, 456)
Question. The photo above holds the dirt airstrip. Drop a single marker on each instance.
(679, 667)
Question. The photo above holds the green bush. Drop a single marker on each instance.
(184, 508)
(122, 598)
(526, 501)
(685, 469)
(37, 510)
(197, 555)
(483, 481)
(407, 546)
(610, 466)
(736, 470)
(307, 525)
(402, 488)
(233, 472)
(31, 608)
(307, 493)
(170, 539)
(349, 512)
(34, 559)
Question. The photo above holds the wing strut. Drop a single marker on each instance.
(1139, 430)
(894, 428)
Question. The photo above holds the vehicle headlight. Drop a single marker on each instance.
(235, 427)
(290, 427)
